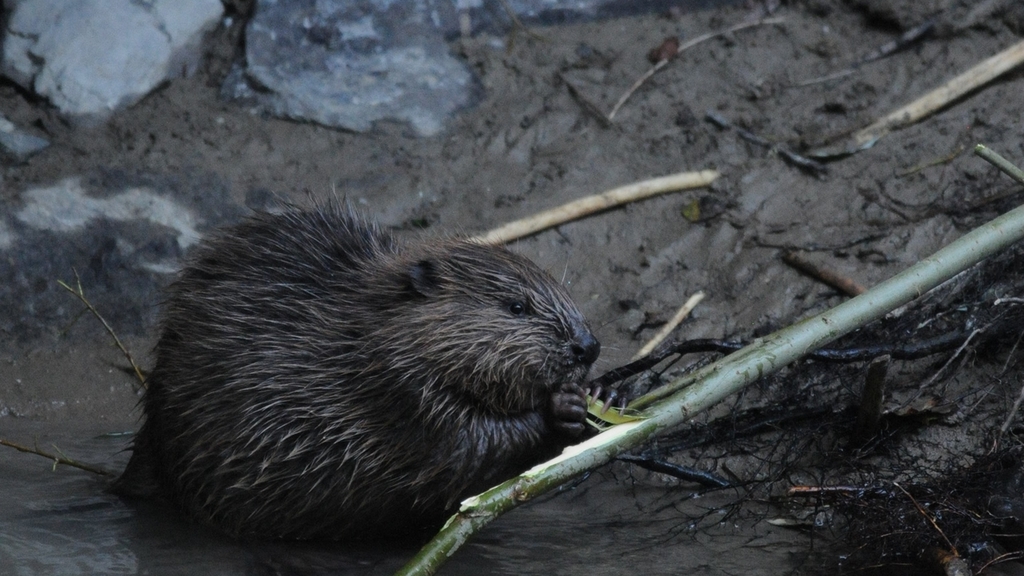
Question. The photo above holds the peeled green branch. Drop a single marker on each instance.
(999, 162)
(681, 399)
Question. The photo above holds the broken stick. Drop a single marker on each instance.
(596, 203)
(669, 326)
(975, 77)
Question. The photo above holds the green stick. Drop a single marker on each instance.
(694, 393)
(1000, 162)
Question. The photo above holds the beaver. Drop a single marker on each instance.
(316, 379)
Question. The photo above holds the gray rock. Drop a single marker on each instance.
(122, 234)
(17, 144)
(91, 57)
(349, 63)
(66, 207)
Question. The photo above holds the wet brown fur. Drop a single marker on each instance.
(315, 379)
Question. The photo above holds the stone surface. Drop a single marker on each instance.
(17, 144)
(349, 63)
(122, 234)
(340, 63)
(92, 57)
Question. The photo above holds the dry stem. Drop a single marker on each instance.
(58, 458)
(596, 203)
(977, 76)
(683, 47)
(80, 294)
(669, 326)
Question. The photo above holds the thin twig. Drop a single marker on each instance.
(902, 351)
(906, 39)
(1007, 557)
(819, 490)
(685, 473)
(596, 203)
(956, 354)
(58, 458)
(1009, 356)
(834, 279)
(517, 24)
(80, 294)
(585, 102)
(929, 517)
(944, 160)
(1011, 415)
(683, 47)
(802, 162)
(636, 86)
(669, 326)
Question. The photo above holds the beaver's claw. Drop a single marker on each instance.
(608, 397)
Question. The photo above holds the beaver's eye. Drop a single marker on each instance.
(517, 308)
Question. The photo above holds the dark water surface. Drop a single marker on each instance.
(62, 521)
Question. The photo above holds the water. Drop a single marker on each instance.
(64, 522)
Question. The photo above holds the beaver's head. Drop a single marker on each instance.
(483, 321)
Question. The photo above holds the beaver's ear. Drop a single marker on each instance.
(423, 278)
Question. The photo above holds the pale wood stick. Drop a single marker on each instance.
(978, 75)
(596, 203)
(667, 329)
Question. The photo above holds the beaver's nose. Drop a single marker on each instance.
(586, 349)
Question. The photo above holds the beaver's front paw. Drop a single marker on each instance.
(568, 413)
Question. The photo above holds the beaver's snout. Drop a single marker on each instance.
(586, 348)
